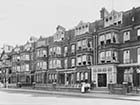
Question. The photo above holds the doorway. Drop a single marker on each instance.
(102, 80)
(62, 78)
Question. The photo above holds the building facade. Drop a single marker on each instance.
(103, 52)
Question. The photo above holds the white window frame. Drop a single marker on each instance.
(86, 75)
(79, 60)
(78, 76)
(84, 43)
(66, 63)
(27, 67)
(79, 44)
(84, 58)
(138, 55)
(138, 32)
(108, 55)
(102, 56)
(126, 36)
(73, 62)
(126, 56)
(65, 49)
(73, 48)
(108, 36)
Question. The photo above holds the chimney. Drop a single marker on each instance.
(103, 13)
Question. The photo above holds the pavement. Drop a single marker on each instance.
(77, 94)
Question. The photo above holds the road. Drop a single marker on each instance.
(31, 98)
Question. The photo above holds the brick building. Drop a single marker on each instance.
(104, 51)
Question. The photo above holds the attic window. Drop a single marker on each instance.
(86, 26)
(119, 22)
(106, 20)
(83, 27)
(115, 24)
(110, 18)
(79, 28)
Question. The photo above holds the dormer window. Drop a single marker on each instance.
(115, 24)
(107, 20)
(110, 18)
(119, 22)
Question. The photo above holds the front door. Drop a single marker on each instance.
(102, 80)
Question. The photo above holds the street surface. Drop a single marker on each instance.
(32, 98)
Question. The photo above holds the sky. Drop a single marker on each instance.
(20, 19)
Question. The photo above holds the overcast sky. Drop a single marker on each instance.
(20, 19)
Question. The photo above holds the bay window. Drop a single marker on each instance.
(108, 56)
(84, 43)
(50, 64)
(50, 51)
(79, 60)
(89, 60)
(44, 52)
(102, 57)
(84, 59)
(102, 40)
(89, 44)
(114, 56)
(58, 50)
(114, 38)
(108, 38)
(79, 45)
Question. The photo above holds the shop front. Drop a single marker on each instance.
(66, 77)
(102, 75)
(24, 78)
(40, 77)
(129, 73)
